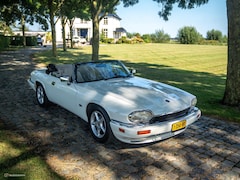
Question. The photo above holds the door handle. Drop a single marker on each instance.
(53, 83)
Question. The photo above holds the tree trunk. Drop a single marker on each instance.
(99, 8)
(71, 21)
(63, 22)
(96, 9)
(95, 39)
(232, 90)
(23, 31)
(54, 46)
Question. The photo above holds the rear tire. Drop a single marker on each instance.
(41, 96)
(99, 123)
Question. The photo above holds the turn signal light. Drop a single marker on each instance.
(122, 130)
(144, 132)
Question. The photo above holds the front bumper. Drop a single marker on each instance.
(31, 84)
(129, 133)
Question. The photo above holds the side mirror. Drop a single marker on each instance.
(133, 71)
(66, 79)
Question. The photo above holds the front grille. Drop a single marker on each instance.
(168, 117)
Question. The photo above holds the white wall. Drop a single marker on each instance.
(113, 23)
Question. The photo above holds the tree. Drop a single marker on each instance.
(160, 37)
(64, 22)
(48, 9)
(214, 35)
(4, 28)
(188, 35)
(79, 9)
(167, 6)
(53, 7)
(232, 90)
(11, 12)
(22, 11)
(70, 23)
(98, 9)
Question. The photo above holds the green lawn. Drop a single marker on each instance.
(199, 69)
(20, 160)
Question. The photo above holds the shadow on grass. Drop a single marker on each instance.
(64, 57)
(21, 160)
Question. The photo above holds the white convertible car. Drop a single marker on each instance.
(114, 102)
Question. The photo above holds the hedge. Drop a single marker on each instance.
(4, 42)
(18, 40)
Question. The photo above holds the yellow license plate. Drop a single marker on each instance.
(179, 125)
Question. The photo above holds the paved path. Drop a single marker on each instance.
(209, 149)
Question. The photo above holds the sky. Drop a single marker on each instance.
(144, 19)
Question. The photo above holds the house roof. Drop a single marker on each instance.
(121, 30)
(113, 15)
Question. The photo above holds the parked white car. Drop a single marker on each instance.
(39, 41)
(77, 39)
(114, 102)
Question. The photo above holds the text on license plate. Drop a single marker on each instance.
(179, 125)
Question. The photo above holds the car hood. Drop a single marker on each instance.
(141, 94)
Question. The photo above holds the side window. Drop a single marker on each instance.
(105, 21)
(105, 33)
(79, 72)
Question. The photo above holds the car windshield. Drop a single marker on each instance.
(102, 70)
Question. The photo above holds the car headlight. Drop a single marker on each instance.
(140, 116)
(194, 102)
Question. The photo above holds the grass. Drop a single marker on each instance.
(198, 69)
(18, 159)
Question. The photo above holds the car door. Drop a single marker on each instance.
(63, 93)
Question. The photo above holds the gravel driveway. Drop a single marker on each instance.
(209, 149)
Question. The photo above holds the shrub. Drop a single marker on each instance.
(146, 38)
(108, 40)
(136, 40)
(210, 42)
(124, 40)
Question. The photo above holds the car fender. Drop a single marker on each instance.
(113, 109)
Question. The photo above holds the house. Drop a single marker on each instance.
(38, 34)
(109, 26)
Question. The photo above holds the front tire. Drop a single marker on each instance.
(41, 96)
(99, 125)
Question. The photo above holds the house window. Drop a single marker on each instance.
(83, 21)
(105, 20)
(78, 32)
(105, 33)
